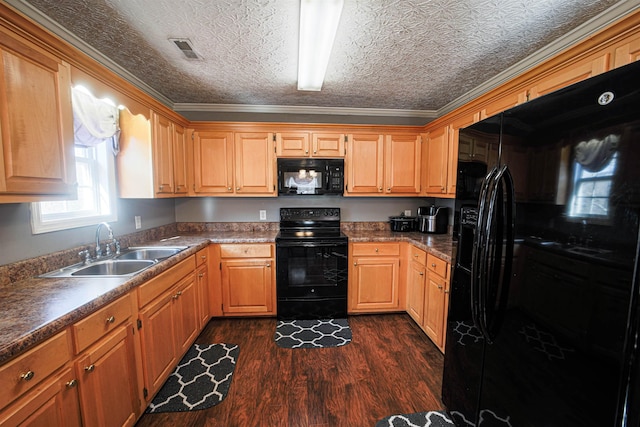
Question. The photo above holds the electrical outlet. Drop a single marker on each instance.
(407, 212)
(263, 215)
(138, 222)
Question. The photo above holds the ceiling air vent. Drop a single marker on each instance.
(186, 48)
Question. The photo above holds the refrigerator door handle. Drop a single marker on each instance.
(478, 255)
(503, 198)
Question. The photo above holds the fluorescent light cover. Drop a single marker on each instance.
(318, 24)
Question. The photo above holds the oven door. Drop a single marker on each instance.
(311, 270)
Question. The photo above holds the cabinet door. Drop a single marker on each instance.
(328, 145)
(437, 161)
(627, 53)
(187, 315)
(179, 159)
(292, 144)
(54, 404)
(163, 154)
(434, 308)
(415, 291)
(452, 162)
(158, 341)
(365, 164)
(247, 286)
(213, 163)
(503, 103)
(402, 157)
(254, 163)
(375, 284)
(36, 122)
(108, 380)
(202, 283)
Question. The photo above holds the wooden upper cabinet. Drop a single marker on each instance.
(36, 123)
(503, 103)
(180, 167)
(436, 164)
(292, 144)
(365, 164)
(327, 144)
(589, 67)
(213, 163)
(305, 144)
(163, 154)
(254, 163)
(627, 52)
(452, 162)
(402, 156)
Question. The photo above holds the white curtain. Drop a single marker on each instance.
(594, 154)
(94, 121)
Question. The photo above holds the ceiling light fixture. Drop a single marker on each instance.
(318, 24)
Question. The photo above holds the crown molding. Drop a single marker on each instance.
(52, 26)
(295, 109)
(597, 23)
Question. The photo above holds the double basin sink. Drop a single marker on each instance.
(131, 261)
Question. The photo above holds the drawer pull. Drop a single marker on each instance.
(203, 256)
(433, 265)
(376, 249)
(416, 255)
(111, 319)
(72, 384)
(439, 286)
(421, 273)
(27, 376)
(90, 368)
(201, 275)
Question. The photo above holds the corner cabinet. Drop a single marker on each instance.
(37, 160)
(374, 278)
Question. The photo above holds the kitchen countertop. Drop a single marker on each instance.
(36, 308)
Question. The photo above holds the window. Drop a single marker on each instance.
(591, 190)
(96, 194)
(95, 125)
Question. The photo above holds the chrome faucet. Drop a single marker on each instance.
(107, 245)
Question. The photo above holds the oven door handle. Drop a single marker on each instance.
(297, 244)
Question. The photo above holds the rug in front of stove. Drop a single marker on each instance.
(201, 379)
(419, 419)
(316, 333)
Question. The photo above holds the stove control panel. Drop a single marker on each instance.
(310, 214)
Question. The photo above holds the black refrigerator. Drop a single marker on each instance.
(543, 318)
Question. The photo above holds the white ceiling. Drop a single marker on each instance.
(389, 56)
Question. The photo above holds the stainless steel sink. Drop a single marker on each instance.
(131, 261)
(150, 253)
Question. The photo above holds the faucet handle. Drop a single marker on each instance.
(116, 243)
(86, 256)
(107, 247)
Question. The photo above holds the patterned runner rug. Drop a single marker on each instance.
(419, 419)
(312, 333)
(201, 379)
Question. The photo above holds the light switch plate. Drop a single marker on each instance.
(263, 215)
(138, 222)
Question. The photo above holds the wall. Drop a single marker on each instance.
(220, 209)
(17, 242)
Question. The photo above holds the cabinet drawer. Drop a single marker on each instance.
(97, 325)
(246, 251)
(438, 266)
(374, 249)
(162, 282)
(418, 255)
(201, 256)
(30, 369)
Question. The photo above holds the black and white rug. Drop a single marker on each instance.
(312, 333)
(201, 379)
(419, 419)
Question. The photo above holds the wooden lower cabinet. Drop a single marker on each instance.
(53, 404)
(416, 282)
(202, 285)
(374, 278)
(247, 278)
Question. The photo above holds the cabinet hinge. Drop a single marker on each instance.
(274, 137)
(145, 392)
(220, 266)
(139, 323)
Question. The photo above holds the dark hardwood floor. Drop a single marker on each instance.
(390, 367)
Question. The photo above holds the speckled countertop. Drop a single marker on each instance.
(34, 308)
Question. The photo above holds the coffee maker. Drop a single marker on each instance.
(433, 219)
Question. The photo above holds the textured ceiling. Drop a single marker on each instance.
(392, 54)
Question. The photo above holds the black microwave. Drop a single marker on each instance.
(310, 177)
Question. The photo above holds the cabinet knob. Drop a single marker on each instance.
(355, 263)
(90, 368)
(388, 188)
(27, 376)
(446, 291)
(268, 265)
(71, 384)
(379, 188)
(306, 151)
(161, 187)
(111, 319)
(415, 255)
(439, 286)
(201, 275)
(237, 188)
(421, 273)
(433, 264)
(376, 249)
(315, 152)
(203, 256)
(228, 188)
